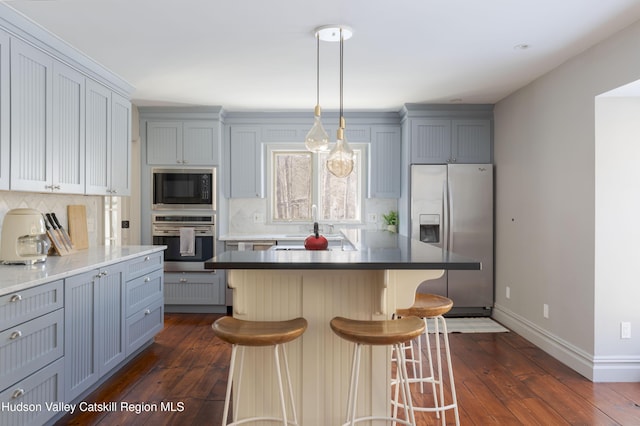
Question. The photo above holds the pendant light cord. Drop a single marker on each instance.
(341, 73)
(318, 69)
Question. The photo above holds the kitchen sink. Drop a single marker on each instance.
(292, 248)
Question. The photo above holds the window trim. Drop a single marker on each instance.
(272, 148)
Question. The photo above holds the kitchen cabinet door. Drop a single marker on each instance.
(108, 130)
(94, 327)
(98, 131)
(200, 143)
(384, 162)
(442, 141)
(246, 163)
(188, 143)
(430, 141)
(164, 143)
(68, 153)
(120, 166)
(80, 333)
(31, 108)
(5, 136)
(471, 141)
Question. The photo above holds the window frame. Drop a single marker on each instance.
(272, 148)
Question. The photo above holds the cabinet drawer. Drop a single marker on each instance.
(144, 265)
(36, 390)
(29, 346)
(23, 305)
(143, 290)
(193, 289)
(143, 325)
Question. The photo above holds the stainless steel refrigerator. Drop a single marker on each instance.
(452, 208)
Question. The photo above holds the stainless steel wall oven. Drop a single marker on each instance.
(190, 240)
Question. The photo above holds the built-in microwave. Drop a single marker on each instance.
(184, 189)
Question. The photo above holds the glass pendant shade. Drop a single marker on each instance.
(340, 161)
(317, 139)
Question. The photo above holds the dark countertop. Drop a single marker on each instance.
(373, 250)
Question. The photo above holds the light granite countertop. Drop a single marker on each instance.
(19, 277)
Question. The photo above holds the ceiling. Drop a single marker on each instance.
(252, 54)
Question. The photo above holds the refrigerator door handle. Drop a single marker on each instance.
(450, 217)
(446, 206)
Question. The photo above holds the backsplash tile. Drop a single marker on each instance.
(57, 203)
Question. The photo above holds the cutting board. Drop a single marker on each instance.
(77, 216)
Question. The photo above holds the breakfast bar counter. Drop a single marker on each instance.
(366, 279)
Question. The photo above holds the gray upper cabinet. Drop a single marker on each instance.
(68, 153)
(184, 143)
(108, 149)
(246, 163)
(4, 111)
(98, 131)
(439, 141)
(120, 166)
(384, 162)
(31, 124)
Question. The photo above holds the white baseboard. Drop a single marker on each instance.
(596, 369)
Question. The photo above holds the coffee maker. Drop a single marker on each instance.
(24, 237)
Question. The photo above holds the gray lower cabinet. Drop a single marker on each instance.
(94, 321)
(193, 288)
(31, 353)
(144, 306)
(42, 387)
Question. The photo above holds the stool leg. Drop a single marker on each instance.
(229, 382)
(279, 374)
(290, 386)
(403, 379)
(353, 385)
(450, 367)
(430, 359)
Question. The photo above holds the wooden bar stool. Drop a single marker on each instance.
(391, 332)
(242, 333)
(430, 306)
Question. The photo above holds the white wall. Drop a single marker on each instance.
(617, 216)
(545, 209)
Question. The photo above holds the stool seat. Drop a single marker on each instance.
(242, 333)
(427, 306)
(378, 332)
(258, 333)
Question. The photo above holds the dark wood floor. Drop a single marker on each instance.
(501, 379)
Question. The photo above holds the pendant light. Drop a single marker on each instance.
(317, 139)
(340, 161)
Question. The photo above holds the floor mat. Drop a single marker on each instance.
(470, 325)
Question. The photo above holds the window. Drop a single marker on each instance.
(299, 179)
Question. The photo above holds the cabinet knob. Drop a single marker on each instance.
(147, 311)
(17, 393)
(15, 298)
(147, 279)
(15, 335)
(146, 258)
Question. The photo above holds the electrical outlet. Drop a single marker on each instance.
(545, 311)
(508, 292)
(625, 330)
(372, 218)
(258, 218)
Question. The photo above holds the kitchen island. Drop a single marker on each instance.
(378, 272)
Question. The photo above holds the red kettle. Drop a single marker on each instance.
(316, 241)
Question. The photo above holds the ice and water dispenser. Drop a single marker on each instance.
(429, 228)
